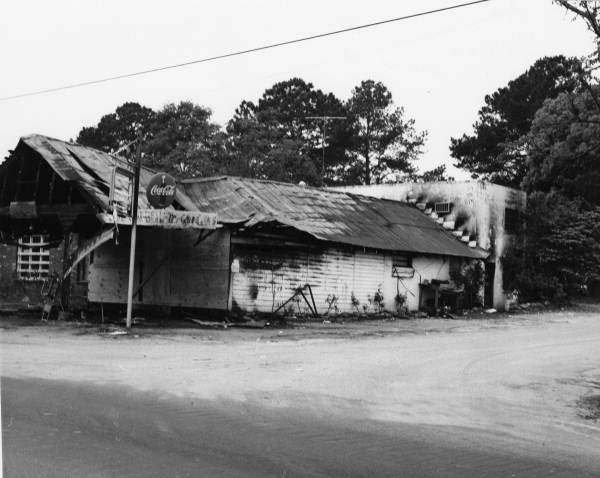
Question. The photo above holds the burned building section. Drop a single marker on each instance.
(270, 247)
(480, 214)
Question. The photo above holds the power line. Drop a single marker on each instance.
(237, 53)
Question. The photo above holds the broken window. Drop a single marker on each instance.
(402, 265)
(33, 258)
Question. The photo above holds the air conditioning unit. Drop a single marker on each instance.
(443, 207)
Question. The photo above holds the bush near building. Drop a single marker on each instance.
(558, 253)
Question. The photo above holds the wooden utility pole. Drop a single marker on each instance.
(134, 208)
(325, 119)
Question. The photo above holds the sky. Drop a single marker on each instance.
(438, 67)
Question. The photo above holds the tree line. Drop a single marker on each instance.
(541, 133)
(280, 137)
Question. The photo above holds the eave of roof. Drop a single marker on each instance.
(91, 170)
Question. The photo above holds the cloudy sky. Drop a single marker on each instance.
(439, 67)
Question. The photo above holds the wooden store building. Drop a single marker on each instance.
(247, 244)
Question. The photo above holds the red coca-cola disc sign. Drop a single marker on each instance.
(161, 190)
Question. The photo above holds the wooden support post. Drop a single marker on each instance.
(21, 160)
(51, 188)
(36, 186)
(134, 207)
(65, 285)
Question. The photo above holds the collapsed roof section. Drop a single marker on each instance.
(92, 169)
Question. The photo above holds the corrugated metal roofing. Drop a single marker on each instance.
(91, 170)
(326, 215)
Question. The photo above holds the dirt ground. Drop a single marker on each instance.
(530, 382)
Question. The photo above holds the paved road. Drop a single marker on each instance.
(64, 429)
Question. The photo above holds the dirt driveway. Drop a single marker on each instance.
(520, 381)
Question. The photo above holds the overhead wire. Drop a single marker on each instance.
(237, 53)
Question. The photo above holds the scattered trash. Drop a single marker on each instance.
(490, 311)
(250, 324)
(212, 324)
(117, 332)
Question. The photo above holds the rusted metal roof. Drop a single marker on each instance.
(91, 170)
(326, 215)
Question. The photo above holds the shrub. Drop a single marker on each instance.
(558, 251)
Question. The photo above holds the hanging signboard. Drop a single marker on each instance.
(161, 190)
(166, 219)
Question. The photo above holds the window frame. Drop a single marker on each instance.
(33, 258)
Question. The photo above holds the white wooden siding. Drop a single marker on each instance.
(267, 278)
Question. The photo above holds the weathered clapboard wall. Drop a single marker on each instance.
(267, 277)
(187, 276)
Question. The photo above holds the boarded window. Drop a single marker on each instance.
(33, 258)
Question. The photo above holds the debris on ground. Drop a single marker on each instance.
(210, 323)
(589, 407)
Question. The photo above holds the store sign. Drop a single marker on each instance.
(166, 219)
(161, 190)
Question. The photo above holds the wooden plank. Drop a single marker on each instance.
(21, 161)
(66, 209)
(37, 180)
(51, 188)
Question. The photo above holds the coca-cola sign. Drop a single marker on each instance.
(160, 191)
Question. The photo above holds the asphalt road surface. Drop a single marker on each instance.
(54, 428)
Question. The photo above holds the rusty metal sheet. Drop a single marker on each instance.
(55, 159)
(326, 215)
(91, 169)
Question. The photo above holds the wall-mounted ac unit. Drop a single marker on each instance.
(443, 207)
